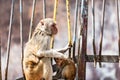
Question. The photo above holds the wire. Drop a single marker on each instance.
(9, 38)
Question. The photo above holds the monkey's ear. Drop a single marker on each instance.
(54, 29)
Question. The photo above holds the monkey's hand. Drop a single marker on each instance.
(63, 50)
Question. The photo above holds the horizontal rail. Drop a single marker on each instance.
(104, 58)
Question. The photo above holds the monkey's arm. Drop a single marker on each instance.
(63, 50)
(51, 53)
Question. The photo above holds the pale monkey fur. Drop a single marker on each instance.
(39, 46)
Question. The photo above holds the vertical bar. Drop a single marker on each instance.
(75, 29)
(93, 23)
(102, 31)
(55, 9)
(54, 17)
(69, 26)
(44, 9)
(21, 34)
(9, 38)
(118, 30)
(32, 17)
(0, 58)
(82, 62)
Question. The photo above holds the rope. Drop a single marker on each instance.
(9, 39)
(44, 9)
(32, 17)
(93, 20)
(54, 17)
(118, 29)
(101, 34)
(75, 28)
(55, 9)
(69, 26)
(21, 34)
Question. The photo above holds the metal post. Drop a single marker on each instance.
(32, 17)
(21, 34)
(44, 8)
(102, 31)
(9, 38)
(75, 29)
(82, 62)
(0, 58)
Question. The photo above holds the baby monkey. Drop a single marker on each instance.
(37, 52)
(66, 69)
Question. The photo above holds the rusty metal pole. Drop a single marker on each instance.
(82, 62)
(0, 58)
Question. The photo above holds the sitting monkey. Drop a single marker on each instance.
(37, 52)
(66, 69)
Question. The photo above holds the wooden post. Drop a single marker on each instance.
(82, 61)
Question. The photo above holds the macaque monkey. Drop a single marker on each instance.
(37, 52)
(66, 69)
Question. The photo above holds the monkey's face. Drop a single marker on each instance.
(48, 26)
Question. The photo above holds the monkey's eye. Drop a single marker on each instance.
(42, 23)
(53, 25)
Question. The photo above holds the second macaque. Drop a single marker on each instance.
(66, 69)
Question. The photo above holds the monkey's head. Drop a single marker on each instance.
(48, 26)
